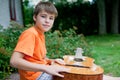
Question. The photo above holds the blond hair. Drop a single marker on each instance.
(45, 6)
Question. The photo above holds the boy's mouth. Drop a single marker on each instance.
(46, 25)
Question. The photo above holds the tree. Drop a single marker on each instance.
(113, 6)
(114, 17)
(28, 12)
(102, 16)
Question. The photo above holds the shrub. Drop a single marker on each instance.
(8, 40)
(11, 35)
(4, 63)
(65, 43)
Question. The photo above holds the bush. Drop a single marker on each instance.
(4, 63)
(82, 15)
(8, 40)
(65, 43)
(11, 34)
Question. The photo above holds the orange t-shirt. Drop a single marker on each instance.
(32, 43)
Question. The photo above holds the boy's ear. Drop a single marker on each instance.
(34, 17)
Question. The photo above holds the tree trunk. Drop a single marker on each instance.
(102, 16)
(115, 20)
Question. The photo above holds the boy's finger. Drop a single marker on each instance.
(59, 75)
(66, 70)
(60, 61)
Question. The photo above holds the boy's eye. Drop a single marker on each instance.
(43, 16)
(51, 18)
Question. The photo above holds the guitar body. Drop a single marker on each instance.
(70, 76)
(94, 72)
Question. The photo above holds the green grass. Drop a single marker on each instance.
(106, 52)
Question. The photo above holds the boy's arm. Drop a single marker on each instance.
(19, 62)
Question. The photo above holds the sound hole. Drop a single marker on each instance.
(78, 59)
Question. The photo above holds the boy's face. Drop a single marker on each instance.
(44, 21)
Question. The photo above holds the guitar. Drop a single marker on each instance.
(81, 68)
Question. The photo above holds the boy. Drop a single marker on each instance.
(29, 55)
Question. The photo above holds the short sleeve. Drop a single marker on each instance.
(26, 43)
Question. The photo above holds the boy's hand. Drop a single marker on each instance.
(55, 69)
(59, 61)
(52, 61)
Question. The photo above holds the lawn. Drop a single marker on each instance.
(106, 52)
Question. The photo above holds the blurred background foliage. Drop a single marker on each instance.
(95, 17)
(81, 15)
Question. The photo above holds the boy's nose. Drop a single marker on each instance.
(47, 19)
